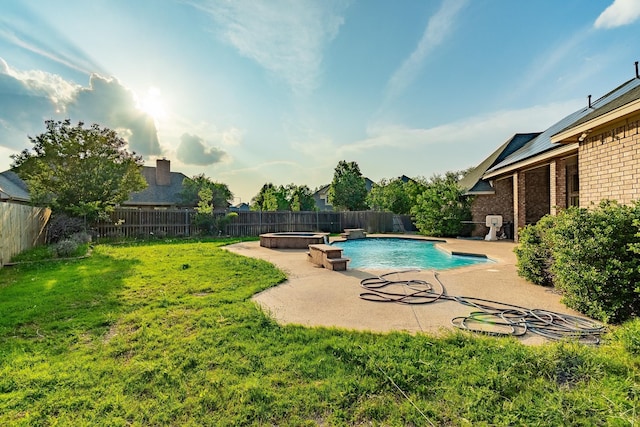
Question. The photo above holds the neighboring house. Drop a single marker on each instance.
(163, 188)
(13, 189)
(590, 155)
(240, 207)
(321, 195)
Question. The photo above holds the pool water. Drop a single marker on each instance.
(395, 253)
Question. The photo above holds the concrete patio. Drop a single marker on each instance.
(315, 296)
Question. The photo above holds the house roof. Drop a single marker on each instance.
(472, 182)
(13, 188)
(543, 142)
(157, 195)
(614, 109)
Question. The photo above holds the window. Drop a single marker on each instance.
(573, 185)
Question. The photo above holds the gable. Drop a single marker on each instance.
(13, 188)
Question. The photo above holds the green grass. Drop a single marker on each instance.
(41, 253)
(165, 333)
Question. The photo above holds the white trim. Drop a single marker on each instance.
(586, 127)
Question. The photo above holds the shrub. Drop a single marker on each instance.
(588, 255)
(441, 208)
(81, 238)
(593, 264)
(65, 248)
(534, 254)
(62, 226)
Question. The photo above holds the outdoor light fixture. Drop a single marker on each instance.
(583, 136)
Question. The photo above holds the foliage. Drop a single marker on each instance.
(281, 198)
(629, 336)
(534, 253)
(167, 334)
(588, 254)
(81, 237)
(270, 198)
(61, 226)
(348, 189)
(301, 198)
(592, 263)
(79, 171)
(206, 219)
(441, 207)
(390, 196)
(65, 248)
(221, 196)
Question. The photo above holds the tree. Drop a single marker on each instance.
(82, 172)
(221, 196)
(348, 190)
(301, 198)
(281, 198)
(391, 196)
(205, 219)
(270, 198)
(441, 208)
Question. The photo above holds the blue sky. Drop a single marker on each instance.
(249, 92)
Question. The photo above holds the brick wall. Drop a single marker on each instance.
(537, 194)
(500, 203)
(609, 164)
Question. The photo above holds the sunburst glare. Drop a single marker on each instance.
(152, 104)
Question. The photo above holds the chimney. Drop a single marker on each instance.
(163, 172)
(637, 73)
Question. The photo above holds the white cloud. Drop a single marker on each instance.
(393, 150)
(549, 62)
(193, 150)
(286, 37)
(109, 103)
(232, 136)
(57, 89)
(621, 12)
(51, 54)
(32, 96)
(437, 30)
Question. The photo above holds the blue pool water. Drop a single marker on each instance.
(392, 253)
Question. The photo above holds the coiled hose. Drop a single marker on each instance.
(490, 317)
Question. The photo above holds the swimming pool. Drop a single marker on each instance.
(397, 253)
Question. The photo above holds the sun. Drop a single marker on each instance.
(152, 104)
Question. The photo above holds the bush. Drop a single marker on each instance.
(65, 248)
(588, 255)
(62, 226)
(81, 238)
(629, 336)
(534, 254)
(441, 208)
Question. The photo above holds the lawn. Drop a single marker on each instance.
(165, 333)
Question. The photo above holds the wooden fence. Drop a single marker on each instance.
(141, 223)
(21, 228)
(178, 222)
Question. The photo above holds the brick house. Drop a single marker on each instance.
(590, 155)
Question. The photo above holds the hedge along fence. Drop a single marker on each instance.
(21, 228)
(179, 222)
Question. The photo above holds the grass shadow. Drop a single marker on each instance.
(49, 306)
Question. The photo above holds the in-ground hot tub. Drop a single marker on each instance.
(292, 240)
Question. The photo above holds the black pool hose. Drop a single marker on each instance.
(491, 317)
